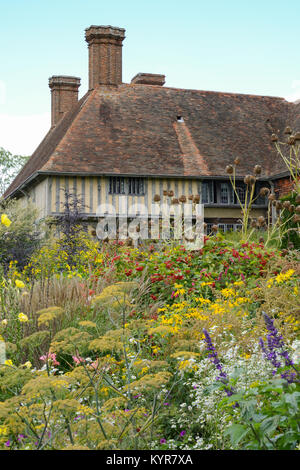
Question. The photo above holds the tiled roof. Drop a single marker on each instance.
(135, 129)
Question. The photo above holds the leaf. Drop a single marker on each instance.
(237, 432)
(291, 399)
(269, 425)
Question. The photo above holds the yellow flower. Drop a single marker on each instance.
(28, 365)
(22, 317)
(5, 220)
(8, 362)
(19, 284)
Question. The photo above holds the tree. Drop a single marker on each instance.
(10, 165)
(20, 238)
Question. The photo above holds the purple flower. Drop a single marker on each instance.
(182, 433)
(7, 443)
(163, 441)
(212, 354)
(275, 349)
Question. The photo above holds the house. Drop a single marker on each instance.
(142, 139)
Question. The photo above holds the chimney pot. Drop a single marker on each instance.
(64, 95)
(105, 55)
(149, 79)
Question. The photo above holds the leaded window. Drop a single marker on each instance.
(136, 186)
(207, 192)
(116, 185)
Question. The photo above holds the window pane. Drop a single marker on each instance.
(116, 185)
(224, 194)
(241, 194)
(207, 192)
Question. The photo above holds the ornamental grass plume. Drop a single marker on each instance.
(275, 348)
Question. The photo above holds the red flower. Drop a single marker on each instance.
(129, 272)
(139, 268)
(153, 297)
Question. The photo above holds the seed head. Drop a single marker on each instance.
(229, 169)
(257, 169)
(264, 191)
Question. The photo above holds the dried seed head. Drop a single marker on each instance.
(182, 198)
(272, 197)
(286, 204)
(297, 136)
(297, 209)
(196, 198)
(297, 199)
(214, 228)
(171, 193)
(287, 130)
(274, 202)
(165, 192)
(292, 208)
(261, 221)
(191, 197)
(175, 200)
(291, 140)
(278, 205)
(264, 191)
(156, 198)
(257, 169)
(248, 179)
(253, 223)
(296, 218)
(274, 138)
(237, 161)
(229, 169)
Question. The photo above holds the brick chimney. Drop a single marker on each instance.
(105, 55)
(64, 95)
(149, 79)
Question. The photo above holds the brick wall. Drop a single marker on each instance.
(283, 186)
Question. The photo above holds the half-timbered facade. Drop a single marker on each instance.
(143, 139)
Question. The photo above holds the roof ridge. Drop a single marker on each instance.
(249, 95)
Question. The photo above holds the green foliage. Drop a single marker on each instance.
(291, 237)
(10, 165)
(269, 416)
(23, 236)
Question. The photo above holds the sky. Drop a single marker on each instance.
(240, 46)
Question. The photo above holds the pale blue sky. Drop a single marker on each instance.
(243, 46)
